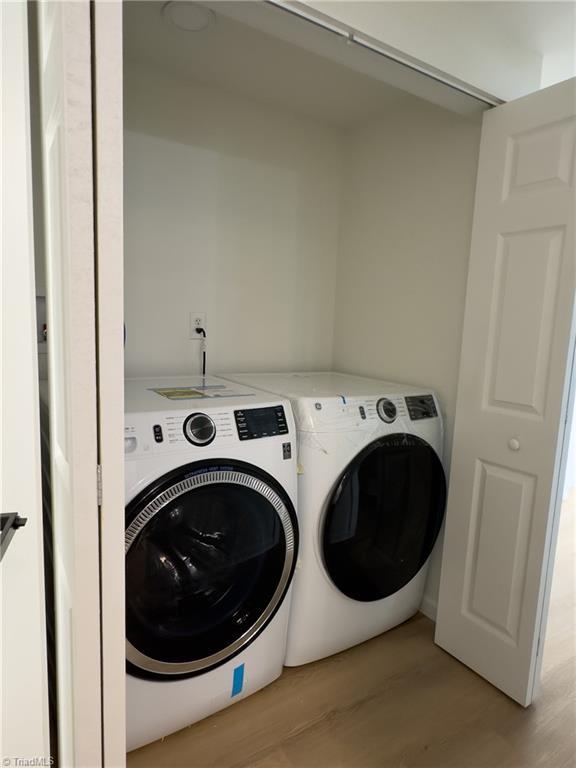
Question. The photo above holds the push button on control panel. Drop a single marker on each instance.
(281, 420)
(241, 425)
(158, 436)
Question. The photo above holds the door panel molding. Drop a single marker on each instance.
(506, 518)
(525, 291)
(540, 158)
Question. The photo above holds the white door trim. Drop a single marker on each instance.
(109, 198)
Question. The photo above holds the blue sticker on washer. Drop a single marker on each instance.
(237, 681)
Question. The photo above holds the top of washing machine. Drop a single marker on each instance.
(337, 402)
(176, 393)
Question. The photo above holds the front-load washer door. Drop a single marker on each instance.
(384, 517)
(210, 552)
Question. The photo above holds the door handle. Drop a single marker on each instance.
(9, 524)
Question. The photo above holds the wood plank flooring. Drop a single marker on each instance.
(397, 701)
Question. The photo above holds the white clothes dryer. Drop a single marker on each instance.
(211, 542)
(372, 496)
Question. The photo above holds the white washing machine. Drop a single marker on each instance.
(211, 543)
(372, 496)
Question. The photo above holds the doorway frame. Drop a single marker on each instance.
(108, 140)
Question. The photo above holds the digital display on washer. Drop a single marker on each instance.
(421, 407)
(261, 422)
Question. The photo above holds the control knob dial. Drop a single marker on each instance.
(386, 410)
(199, 429)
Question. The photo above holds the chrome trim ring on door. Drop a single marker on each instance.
(204, 478)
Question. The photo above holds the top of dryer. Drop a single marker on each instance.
(321, 385)
(338, 402)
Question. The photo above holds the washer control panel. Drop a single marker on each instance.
(160, 433)
(386, 410)
(421, 407)
(253, 423)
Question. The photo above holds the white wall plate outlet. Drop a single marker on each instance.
(197, 320)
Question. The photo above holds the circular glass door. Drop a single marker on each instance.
(384, 517)
(210, 552)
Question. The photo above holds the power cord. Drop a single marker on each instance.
(203, 332)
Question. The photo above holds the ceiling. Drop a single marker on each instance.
(241, 59)
(256, 50)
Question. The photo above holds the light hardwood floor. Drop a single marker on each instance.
(397, 701)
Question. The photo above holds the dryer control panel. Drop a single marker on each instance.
(421, 407)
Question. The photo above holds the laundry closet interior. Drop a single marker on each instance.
(318, 217)
(278, 187)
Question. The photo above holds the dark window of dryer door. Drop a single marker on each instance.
(384, 517)
(202, 572)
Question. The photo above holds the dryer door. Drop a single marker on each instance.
(384, 517)
(210, 552)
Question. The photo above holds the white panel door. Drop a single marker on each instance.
(518, 341)
(23, 677)
(65, 89)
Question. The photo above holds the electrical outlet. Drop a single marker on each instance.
(197, 320)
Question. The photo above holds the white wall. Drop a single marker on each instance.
(407, 215)
(232, 209)
(570, 477)
(558, 66)
(507, 49)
